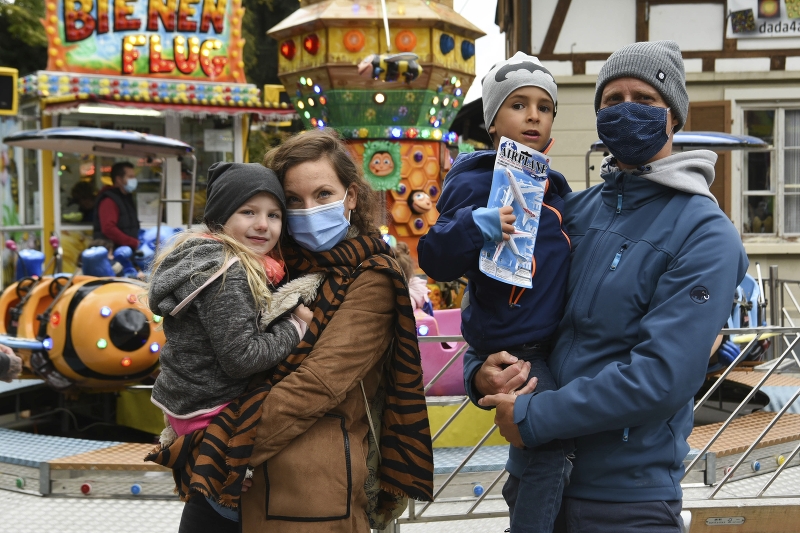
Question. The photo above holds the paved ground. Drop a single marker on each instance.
(24, 513)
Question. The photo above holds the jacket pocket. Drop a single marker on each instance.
(611, 268)
(311, 480)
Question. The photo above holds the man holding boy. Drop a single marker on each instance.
(520, 98)
(654, 266)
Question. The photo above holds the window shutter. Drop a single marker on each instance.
(715, 116)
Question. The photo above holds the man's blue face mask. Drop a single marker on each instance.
(632, 132)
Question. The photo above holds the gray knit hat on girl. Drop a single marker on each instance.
(507, 76)
(658, 63)
(232, 184)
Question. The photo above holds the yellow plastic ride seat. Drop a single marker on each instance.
(103, 336)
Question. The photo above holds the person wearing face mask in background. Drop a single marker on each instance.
(115, 215)
(655, 263)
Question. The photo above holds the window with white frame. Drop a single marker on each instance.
(771, 178)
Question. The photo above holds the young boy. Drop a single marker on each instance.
(519, 102)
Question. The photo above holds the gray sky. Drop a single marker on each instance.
(489, 49)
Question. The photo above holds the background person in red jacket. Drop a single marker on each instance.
(115, 212)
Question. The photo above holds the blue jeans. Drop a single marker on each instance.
(548, 468)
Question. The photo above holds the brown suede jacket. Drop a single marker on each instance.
(311, 445)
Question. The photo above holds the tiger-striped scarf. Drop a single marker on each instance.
(214, 461)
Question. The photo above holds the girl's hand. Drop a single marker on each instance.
(303, 313)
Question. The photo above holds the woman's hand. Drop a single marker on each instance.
(303, 313)
(14, 364)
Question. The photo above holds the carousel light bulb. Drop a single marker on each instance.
(380, 98)
(154, 347)
(156, 319)
(126, 362)
(105, 311)
(47, 344)
(102, 343)
(422, 330)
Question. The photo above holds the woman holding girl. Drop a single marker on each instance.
(304, 432)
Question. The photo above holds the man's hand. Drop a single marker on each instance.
(501, 373)
(507, 219)
(504, 414)
(14, 364)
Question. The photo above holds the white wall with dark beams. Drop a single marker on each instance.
(573, 38)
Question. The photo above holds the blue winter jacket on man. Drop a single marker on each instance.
(654, 270)
(499, 316)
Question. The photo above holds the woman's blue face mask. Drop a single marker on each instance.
(318, 228)
(632, 132)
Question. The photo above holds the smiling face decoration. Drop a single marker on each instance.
(381, 164)
(419, 202)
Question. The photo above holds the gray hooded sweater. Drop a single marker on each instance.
(214, 344)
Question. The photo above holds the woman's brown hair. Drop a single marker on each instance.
(313, 145)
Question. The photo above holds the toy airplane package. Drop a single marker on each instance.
(520, 175)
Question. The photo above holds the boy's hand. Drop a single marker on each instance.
(304, 313)
(507, 219)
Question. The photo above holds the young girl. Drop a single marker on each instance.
(210, 288)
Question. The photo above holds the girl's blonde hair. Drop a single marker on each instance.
(251, 262)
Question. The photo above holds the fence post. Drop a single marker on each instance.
(775, 317)
(775, 306)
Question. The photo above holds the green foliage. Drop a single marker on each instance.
(260, 50)
(23, 43)
(260, 142)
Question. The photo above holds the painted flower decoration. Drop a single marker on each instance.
(403, 111)
(348, 96)
(370, 114)
(410, 97)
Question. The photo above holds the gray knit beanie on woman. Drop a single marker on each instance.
(232, 184)
(507, 76)
(658, 63)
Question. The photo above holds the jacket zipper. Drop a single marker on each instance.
(587, 271)
(625, 434)
(611, 268)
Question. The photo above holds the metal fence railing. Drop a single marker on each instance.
(489, 503)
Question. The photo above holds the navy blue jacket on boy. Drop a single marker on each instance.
(499, 316)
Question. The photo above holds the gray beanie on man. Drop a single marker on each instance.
(232, 184)
(507, 76)
(658, 63)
